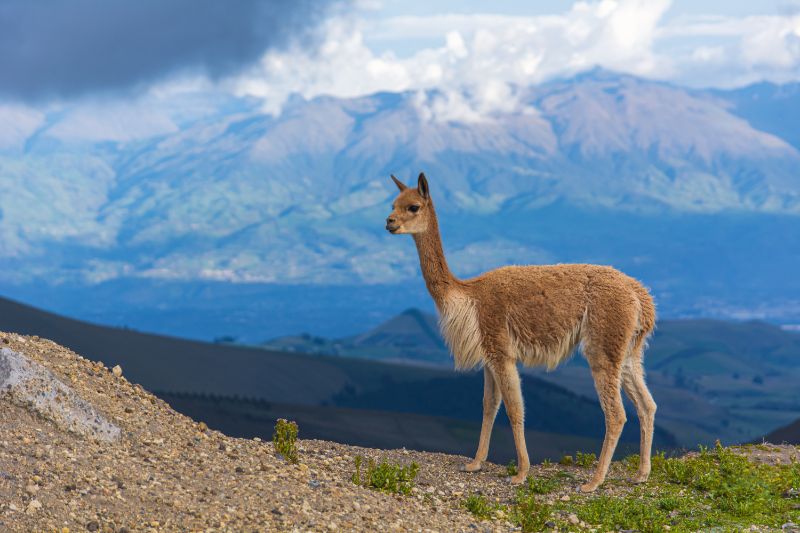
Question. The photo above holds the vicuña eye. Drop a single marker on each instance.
(413, 208)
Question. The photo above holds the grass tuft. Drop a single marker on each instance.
(541, 485)
(480, 506)
(511, 468)
(285, 439)
(529, 513)
(586, 460)
(385, 476)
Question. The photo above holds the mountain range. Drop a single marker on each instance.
(693, 191)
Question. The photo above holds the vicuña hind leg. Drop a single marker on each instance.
(491, 402)
(507, 377)
(606, 376)
(637, 391)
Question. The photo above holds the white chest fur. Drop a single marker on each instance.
(458, 321)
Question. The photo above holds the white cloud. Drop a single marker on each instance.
(483, 59)
(17, 123)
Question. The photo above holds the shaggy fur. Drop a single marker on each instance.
(537, 315)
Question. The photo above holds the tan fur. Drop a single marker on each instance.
(537, 315)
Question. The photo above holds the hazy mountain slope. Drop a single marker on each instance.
(239, 195)
(768, 107)
(789, 434)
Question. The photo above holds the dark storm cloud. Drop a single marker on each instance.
(66, 48)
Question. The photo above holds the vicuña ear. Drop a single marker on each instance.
(422, 186)
(400, 185)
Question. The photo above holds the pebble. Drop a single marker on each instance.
(565, 498)
(573, 519)
(117, 371)
(33, 506)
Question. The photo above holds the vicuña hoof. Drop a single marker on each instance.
(471, 467)
(639, 478)
(589, 487)
(518, 479)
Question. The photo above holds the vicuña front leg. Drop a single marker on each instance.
(507, 377)
(491, 402)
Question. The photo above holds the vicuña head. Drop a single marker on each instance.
(411, 210)
(537, 315)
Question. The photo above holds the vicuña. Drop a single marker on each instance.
(537, 315)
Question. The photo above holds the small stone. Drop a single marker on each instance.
(332, 526)
(573, 519)
(202, 427)
(64, 530)
(303, 467)
(549, 524)
(93, 526)
(117, 371)
(33, 506)
(565, 498)
(239, 470)
(31, 489)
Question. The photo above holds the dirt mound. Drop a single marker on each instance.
(164, 471)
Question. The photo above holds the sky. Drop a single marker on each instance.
(476, 54)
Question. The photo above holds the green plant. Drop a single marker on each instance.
(566, 460)
(511, 468)
(480, 506)
(585, 459)
(547, 462)
(624, 513)
(541, 485)
(284, 439)
(529, 513)
(386, 476)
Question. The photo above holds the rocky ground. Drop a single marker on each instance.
(165, 472)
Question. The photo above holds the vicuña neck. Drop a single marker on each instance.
(437, 274)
